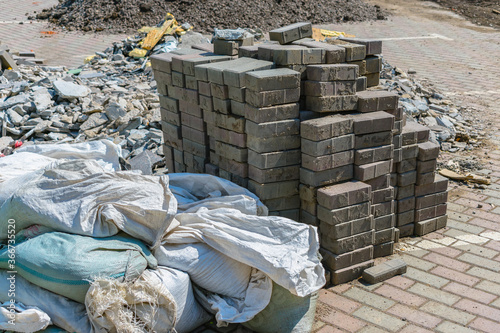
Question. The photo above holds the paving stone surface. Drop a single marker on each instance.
(63, 48)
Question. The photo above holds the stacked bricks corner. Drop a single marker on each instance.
(292, 121)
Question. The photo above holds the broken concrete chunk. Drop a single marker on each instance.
(94, 120)
(384, 271)
(69, 90)
(145, 162)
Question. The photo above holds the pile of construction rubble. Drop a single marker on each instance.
(451, 124)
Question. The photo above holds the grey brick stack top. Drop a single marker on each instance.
(292, 121)
(273, 138)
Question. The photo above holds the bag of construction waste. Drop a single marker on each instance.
(65, 264)
(15, 165)
(63, 312)
(81, 197)
(276, 249)
(158, 301)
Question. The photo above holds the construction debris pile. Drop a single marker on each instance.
(109, 97)
(351, 164)
(129, 15)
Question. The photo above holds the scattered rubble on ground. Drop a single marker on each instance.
(454, 129)
(128, 15)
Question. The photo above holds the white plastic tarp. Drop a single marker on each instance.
(81, 197)
(105, 152)
(284, 250)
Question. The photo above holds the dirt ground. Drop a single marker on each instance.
(482, 12)
(125, 16)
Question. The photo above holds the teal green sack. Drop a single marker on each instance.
(65, 263)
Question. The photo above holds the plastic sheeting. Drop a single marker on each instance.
(105, 152)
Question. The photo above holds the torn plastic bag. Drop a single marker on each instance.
(80, 197)
(158, 301)
(15, 165)
(238, 310)
(190, 189)
(64, 313)
(18, 317)
(283, 249)
(207, 268)
(105, 152)
(65, 263)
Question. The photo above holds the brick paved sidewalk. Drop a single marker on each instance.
(64, 48)
(453, 278)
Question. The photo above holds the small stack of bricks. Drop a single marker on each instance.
(331, 88)
(231, 47)
(327, 146)
(366, 53)
(347, 229)
(404, 177)
(430, 192)
(225, 116)
(373, 159)
(273, 139)
(356, 169)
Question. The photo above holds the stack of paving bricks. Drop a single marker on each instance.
(307, 138)
(225, 115)
(368, 58)
(347, 229)
(273, 140)
(431, 192)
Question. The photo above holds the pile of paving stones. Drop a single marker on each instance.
(354, 164)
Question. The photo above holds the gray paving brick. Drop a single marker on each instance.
(272, 113)
(273, 159)
(329, 146)
(433, 293)
(327, 177)
(326, 127)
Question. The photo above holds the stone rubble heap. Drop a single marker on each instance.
(352, 164)
(110, 97)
